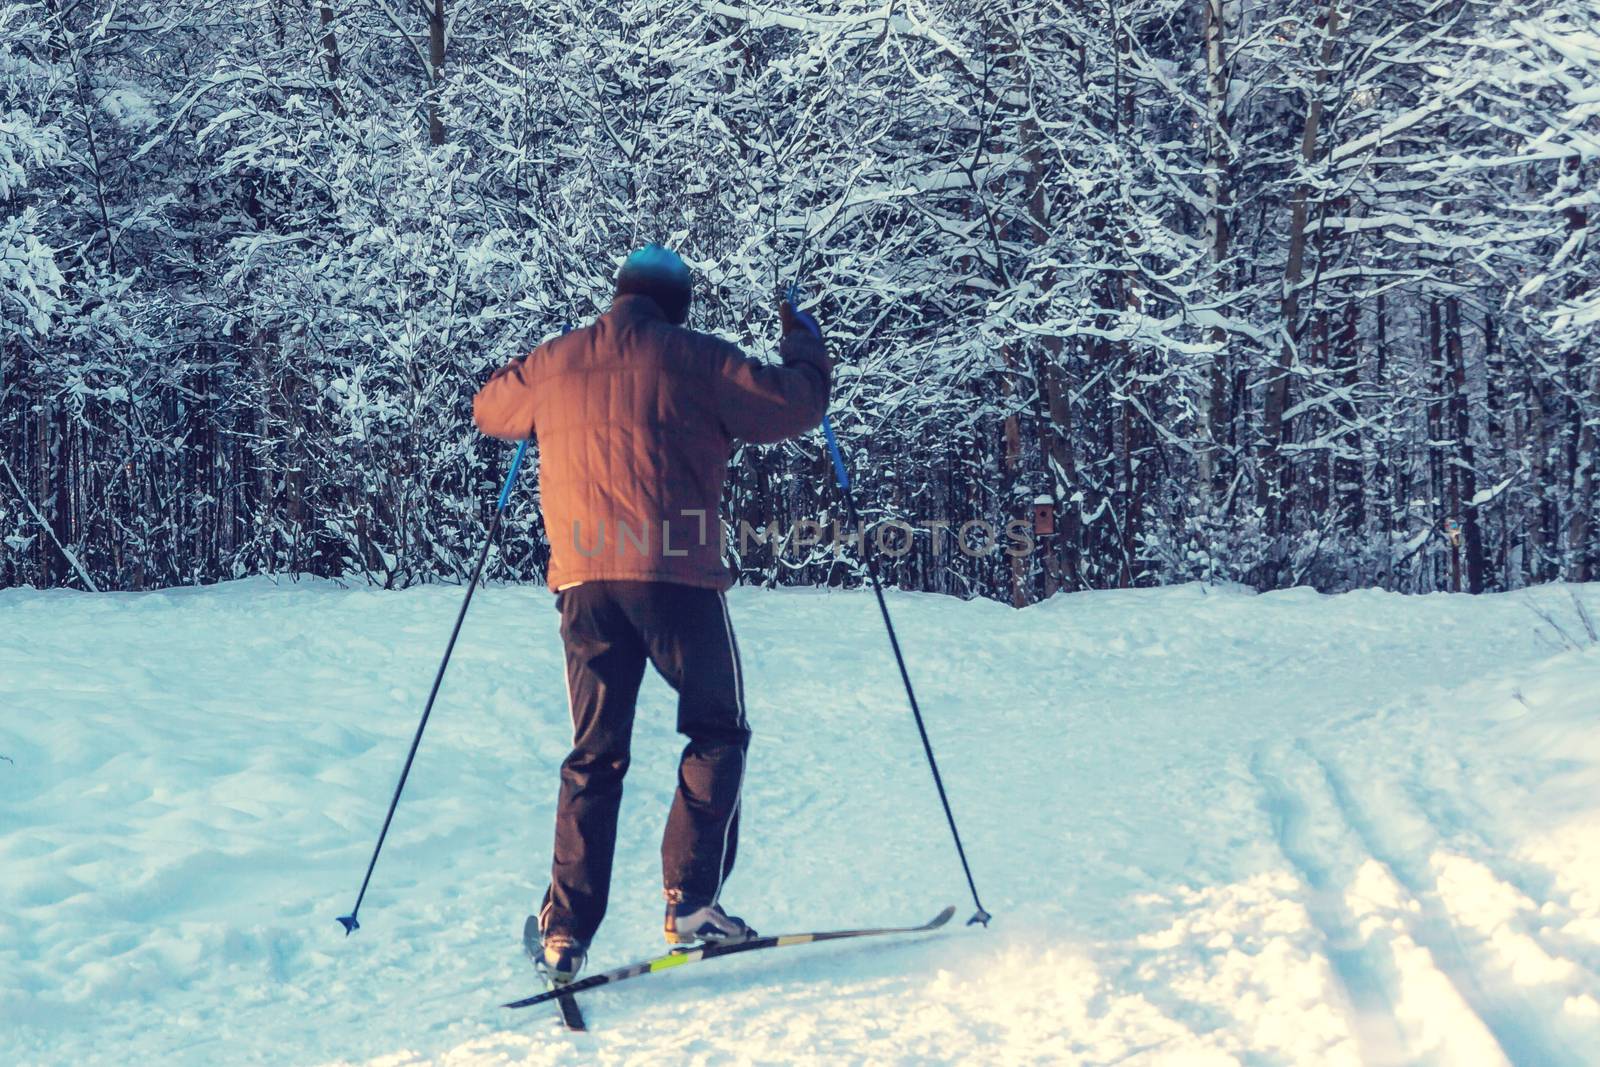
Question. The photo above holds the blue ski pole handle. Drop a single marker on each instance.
(839, 473)
(511, 478)
(802, 317)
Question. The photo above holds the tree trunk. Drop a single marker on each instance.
(1055, 429)
(436, 74)
(330, 57)
(1219, 198)
(1349, 464)
(1441, 508)
(1014, 466)
(1541, 523)
(1463, 472)
(1583, 415)
(1273, 486)
(1499, 431)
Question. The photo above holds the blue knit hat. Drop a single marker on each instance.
(658, 273)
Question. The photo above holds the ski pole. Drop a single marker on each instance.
(349, 921)
(842, 476)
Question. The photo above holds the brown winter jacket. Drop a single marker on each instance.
(635, 420)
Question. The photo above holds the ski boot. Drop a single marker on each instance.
(559, 957)
(690, 923)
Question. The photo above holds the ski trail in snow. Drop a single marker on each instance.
(1437, 935)
(1360, 974)
(1470, 920)
(1568, 909)
(1432, 926)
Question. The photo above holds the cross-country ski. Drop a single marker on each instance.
(683, 956)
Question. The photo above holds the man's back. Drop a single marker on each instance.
(635, 419)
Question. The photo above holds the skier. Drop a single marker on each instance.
(635, 418)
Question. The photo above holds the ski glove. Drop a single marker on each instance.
(794, 319)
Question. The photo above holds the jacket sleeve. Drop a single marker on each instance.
(763, 404)
(503, 408)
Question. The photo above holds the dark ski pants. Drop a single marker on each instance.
(611, 630)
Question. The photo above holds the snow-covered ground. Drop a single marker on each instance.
(1213, 827)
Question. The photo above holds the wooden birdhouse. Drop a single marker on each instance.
(1044, 515)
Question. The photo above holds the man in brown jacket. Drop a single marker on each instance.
(635, 418)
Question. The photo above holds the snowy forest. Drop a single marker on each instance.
(1272, 291)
